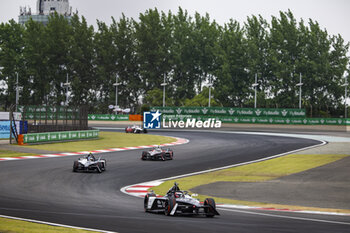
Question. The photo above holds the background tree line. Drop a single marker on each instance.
(190, 51)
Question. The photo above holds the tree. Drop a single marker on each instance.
(81, 62)
(105, 67)
(153, 37)
(58, 40)
(232, 84)
(206, 34)
(123, 34)
(285, 58)
(11, 58)
(202, 99)
(35, 57)
(183, 58)
(155, 98)
(257, 57)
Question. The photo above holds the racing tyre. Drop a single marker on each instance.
(104, 165)
(171, 155)
(169, 205)
(144, 130)
(162, 157)
(145, 203)
(99, 168)
(209, 211)
(144, 155)
(75, 166)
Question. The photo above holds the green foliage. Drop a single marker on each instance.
(202, 99)
(155, 98)
(188, 51)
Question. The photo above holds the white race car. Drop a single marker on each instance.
(178, 202)
(135, 129)
(89, 163)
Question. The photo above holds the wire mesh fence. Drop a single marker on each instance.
(52, 119)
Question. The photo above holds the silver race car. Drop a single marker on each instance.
(89, 163)
(177, 202)
(158, 153)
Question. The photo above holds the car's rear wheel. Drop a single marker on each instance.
(169, 205)
(75, 166)
(145, 203)
(210, 209)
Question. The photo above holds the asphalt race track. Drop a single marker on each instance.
(48, 190)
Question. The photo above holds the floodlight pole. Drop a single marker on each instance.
(66, 85)
(255, 85)
(163, 85)
(210, 85)
(116, 84)
(17, 91)
(346, 95)
(300, 84)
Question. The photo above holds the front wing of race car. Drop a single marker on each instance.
(171, 206)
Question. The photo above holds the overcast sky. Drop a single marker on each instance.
(334, 15)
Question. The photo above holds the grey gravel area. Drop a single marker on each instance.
(326, 186)
(330, 148)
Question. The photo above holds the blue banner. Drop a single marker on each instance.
(4, 129)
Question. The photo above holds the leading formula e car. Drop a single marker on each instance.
(158, 153)
(179, 202)
(135, 129)
(89, 163)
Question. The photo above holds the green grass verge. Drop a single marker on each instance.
(14, 226)
(8, 153)
(255, 172)
(105, 141)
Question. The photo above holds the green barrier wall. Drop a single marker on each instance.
(263, 120)
(217, 111)
(108, 117)
(60, 136)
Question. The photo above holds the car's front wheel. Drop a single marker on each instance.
(145, 202)
(98, 167)
(75, 166)
(103, 165)
(210, 209)
(169, 205)
(144, 155)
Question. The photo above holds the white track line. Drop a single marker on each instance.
(54, 224)
(283, 216)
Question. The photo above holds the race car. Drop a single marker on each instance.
(89, 163)
(177, 202)
(158, 153)
(135, 129)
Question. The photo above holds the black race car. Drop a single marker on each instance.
(179, 202)
(89, 163)
(158, 153)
